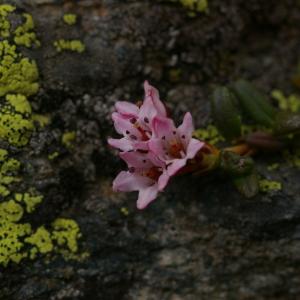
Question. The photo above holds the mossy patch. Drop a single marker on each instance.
(287, 103)
(69, 45)
(209, 134)
(70, 19)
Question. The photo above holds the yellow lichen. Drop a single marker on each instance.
(66, 233)
(273, 167)
(5, 10)
(24, 34)
(71, 45)
(68, 139)
(70, 19)
(289, 103)
(269, 185)
(30, 199)
(18, 75)
(210, 134)
(194, 5)
(42, 240)
(53, 155)
(42, 120)
(124, 211)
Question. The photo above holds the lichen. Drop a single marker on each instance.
(269, 185)
(210, 134)
(70, 45)
(19, 80)
(287, 103)
(68, 139)
(18, 75)
(70, 19)
(8, 172)
(5, 10)
(124, 211)
(194, 5)
(15, 123)
(24, 34)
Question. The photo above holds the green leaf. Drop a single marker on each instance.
(254, 104)
(225, 113)
(247, 185)
(287, 123)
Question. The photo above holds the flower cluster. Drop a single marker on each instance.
(152, 147)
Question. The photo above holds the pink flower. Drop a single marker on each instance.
(135, 123)
(146, 174)
(174, 146)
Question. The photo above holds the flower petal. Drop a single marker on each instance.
(146, 196)
(175, 166)
(193, 147)
(127, 182)
(163, 180)
(127, 108)
(124, 127)
(163, 128)
(185, 130)
(152, 93)
(136, 160)
(123, 144)
(156, 146)
(147, 112)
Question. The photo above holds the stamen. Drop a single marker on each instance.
(127, 132)
(133, 120)
(146, 120)
(183, 136)
(163, 137)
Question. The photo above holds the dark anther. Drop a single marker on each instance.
(132, 120)
(131, 170)
(146, 120)
(163, 138)
(183, 136)
(127, 132)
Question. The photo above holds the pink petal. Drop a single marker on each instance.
(123, 126)
(175, 166)
(163, 181)
(193, 147)
(153, 93)
(123, 144)
(163, 128)
(185, 130)
(140, 145)
(127, 108)
(127, 182)
(146, 196)
(136, 160)
(147, 112)
(155, 160)
(156, 146)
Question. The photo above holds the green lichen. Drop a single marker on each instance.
(210, 134)
(70, 19)
(273, 167)
(269, 185)
(42, 120)
(287, 103)
(18, 75)
(70, 45)
(5, 10)
(24, 34)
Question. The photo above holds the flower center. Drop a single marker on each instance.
(153, 173)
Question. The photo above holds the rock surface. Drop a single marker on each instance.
(200, 239)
